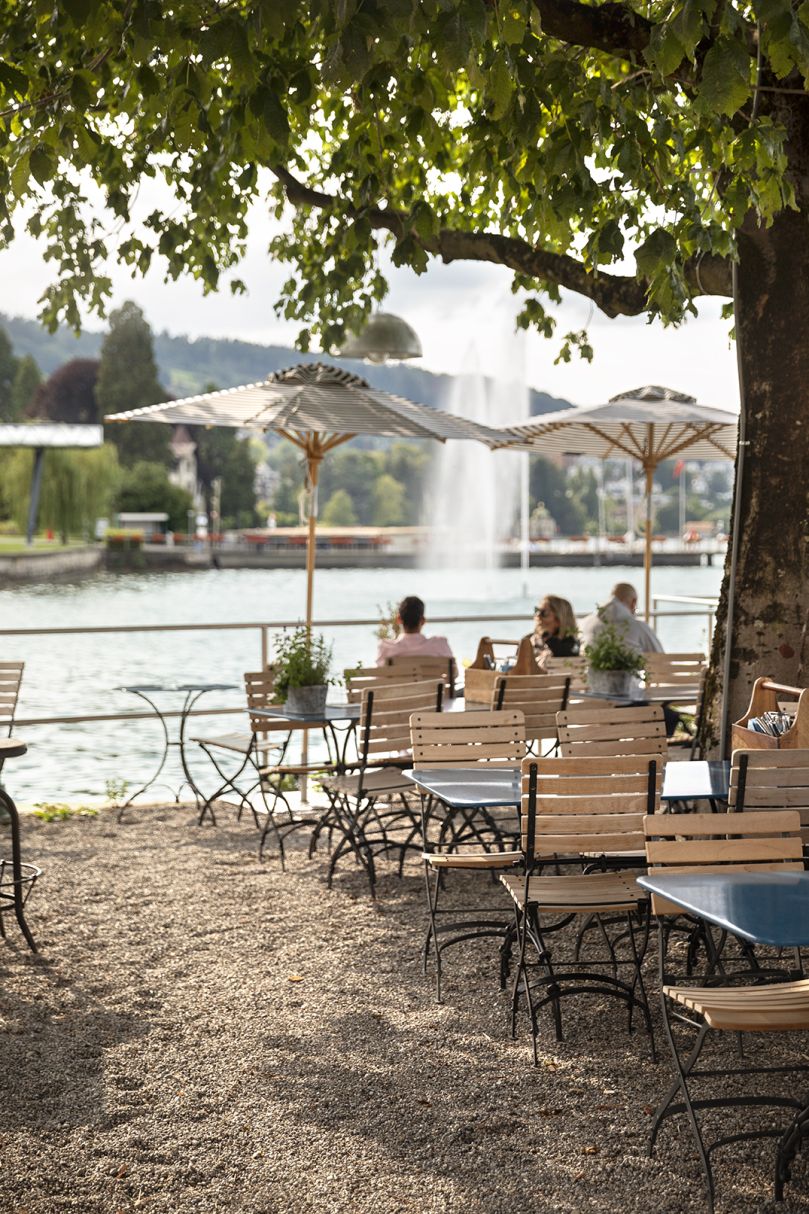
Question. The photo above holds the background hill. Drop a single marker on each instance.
(188, 365)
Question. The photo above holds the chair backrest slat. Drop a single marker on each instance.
(463, 739)
(398, 671)
(578, 806)
(384, 728)
(669, 669)
(710, 843)
(574, 668)
(10, 679)
(584, 730)
(538, 696)
(771, 779)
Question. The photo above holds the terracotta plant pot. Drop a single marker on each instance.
(306, 699)
(610, 682)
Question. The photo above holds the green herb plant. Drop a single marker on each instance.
(303, 659)
(609, 651)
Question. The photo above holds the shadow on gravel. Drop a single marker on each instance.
(53, 1052)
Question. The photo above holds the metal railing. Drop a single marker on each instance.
(705, 607)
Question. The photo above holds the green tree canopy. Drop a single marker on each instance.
(146, 487)
(27, 379)
(388, 502)
(222, 455)
(8, 371)
(127, 379)
(339, 511)
(77, 489)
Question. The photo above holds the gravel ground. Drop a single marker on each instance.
(204, 1033)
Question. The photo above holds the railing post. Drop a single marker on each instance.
(265, 659)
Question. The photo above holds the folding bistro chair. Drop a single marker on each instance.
(752, 842)
(574, 668)
(575, 809)
(405, 670)
(539, 697)
(413, 668)
(585, 731)
(10, 679)
(681, 677)
(375, 799)
(771, 780)
(472, 839)
(260, 766)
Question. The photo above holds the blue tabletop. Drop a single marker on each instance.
(461, 787)
(765, 908)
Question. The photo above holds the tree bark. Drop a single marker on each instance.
(769, 628)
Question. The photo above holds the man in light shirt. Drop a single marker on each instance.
(411, 641)
(620, 611)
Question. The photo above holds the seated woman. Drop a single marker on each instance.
(411, 641)
(555, 632)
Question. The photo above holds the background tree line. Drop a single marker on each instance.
(131, 471)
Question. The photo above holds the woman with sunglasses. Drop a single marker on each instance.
(555, 631)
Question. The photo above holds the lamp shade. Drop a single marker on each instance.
(385, 338)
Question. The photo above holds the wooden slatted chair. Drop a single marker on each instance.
(262, 751)
(757, 841)
(471, 840)
(586, 731)
(411, 669)
(680, 676)
(574, 667)
(678, 672)
(580, 808)
(362, 678)
(771, 779)
(539, 697)
(10, 679)
(367, 804)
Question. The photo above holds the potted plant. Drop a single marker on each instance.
(612, 663)
(301, 670)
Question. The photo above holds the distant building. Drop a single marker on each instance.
(184, 473)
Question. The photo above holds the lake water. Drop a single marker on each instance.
(67, 675)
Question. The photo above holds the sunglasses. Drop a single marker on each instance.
(542, 611)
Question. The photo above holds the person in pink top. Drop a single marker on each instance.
(411, 641)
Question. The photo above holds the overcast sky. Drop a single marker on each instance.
(463, 313)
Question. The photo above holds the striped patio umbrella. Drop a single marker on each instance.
(648, 424)
(316, 407)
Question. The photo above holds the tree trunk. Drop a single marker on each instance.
(769, 628)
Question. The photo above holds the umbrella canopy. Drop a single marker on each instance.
(317, 408)
(648, 424)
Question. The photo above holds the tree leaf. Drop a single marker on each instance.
(726, 77)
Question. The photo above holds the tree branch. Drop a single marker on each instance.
(613, 28)
(614, 294)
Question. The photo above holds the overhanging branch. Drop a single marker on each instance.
(614, 294)
(615, 29)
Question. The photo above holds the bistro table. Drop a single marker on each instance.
(14, 891)
(769, 908)
(764, 908)
(327, 721)
(490, 788)
(191, 692)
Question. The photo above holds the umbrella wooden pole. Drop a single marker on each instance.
(314, 455)
(647, 557)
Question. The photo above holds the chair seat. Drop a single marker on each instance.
(579, 892)
(386, 779)
(240, 742)
(473, 859)
(773, 1008)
